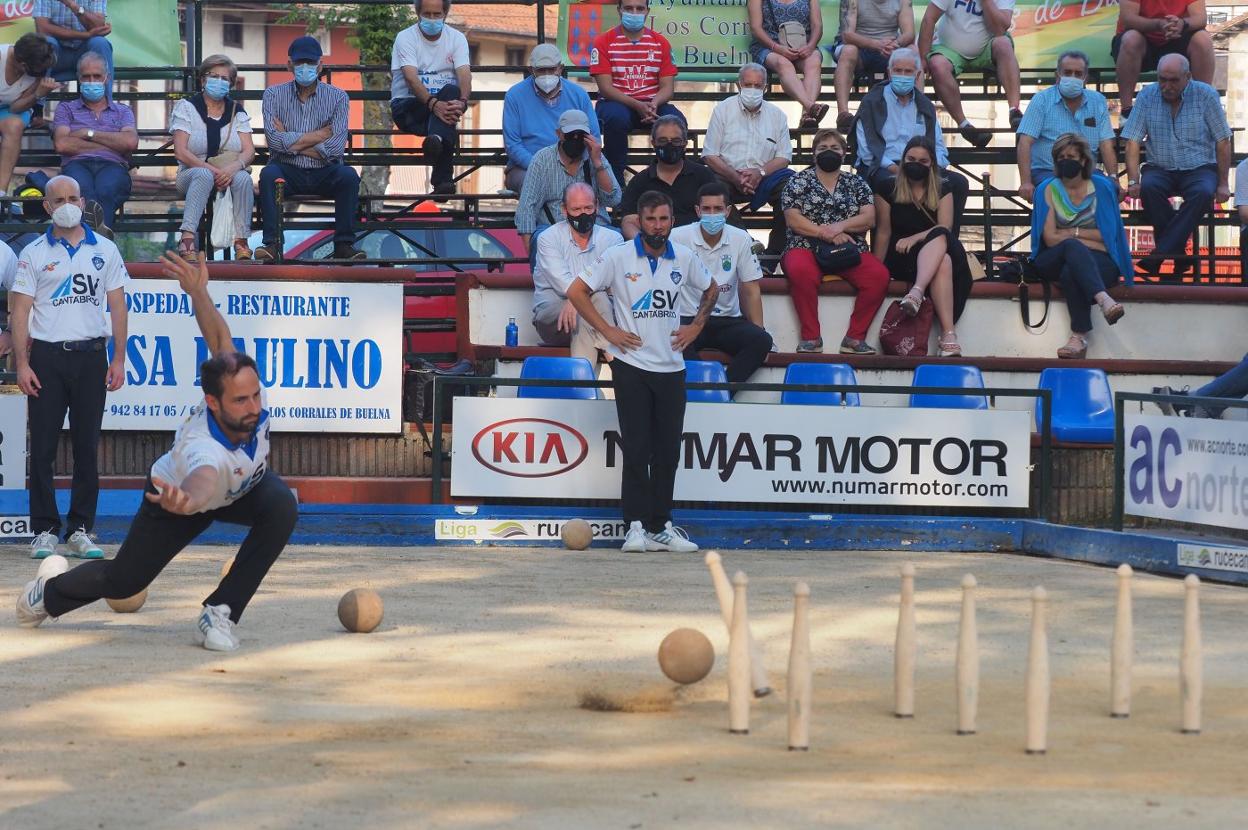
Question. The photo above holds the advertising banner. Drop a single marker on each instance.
(330, 355)
(560, 449)
(12, 445)
(1186, 469)
(145, 32)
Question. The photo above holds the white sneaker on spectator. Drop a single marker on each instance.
(43, 545)
(635, 540)
(82, 546)
(670, 538)
(214, 630)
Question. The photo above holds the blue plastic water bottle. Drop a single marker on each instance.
(513, 333)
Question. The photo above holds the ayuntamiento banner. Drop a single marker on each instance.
(330, 355)
(145, 32)
(560, 449)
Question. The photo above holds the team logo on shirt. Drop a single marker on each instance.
(677, 277)
(75, 289)
(655, 303)
(98, 262)
(593, 56)
(51, 266)
(726, 263)
(632, 277)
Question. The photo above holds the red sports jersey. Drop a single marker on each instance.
(1158, 9)
(634, 66)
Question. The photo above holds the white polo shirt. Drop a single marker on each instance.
(8, 266)
(199, 442)
(746, 139)
(647, 292)
(731, 261)
(559, 259)
(69, 285)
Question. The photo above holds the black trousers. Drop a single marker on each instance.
(884, 184)
(651, 410)
(745, 342)
(411, 116)
(73, 382)
(156, 536)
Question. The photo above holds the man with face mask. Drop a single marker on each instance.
(1066, 107)
(531, 111)
(305, 122)
(431, 82)
(66, 279)
(672, 174)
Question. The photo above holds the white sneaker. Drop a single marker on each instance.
(54, 565)
(214, 630)
(43, 545)
(635, 541)
(82, 546)
(670, 538)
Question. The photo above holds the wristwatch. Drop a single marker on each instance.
(80, 10)
(90, 135)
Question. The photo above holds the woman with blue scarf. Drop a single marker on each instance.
(1078, 240)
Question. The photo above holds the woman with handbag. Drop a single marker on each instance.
(212, 142)
(1078, 239)
(913, 239)
(786, 41)
(828, 212)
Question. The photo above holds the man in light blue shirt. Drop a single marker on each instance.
(1066, 107)
(1182, 128)
(531, 111)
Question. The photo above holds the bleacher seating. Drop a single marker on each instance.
(1083, 405)
(557, 368)
(820, 373)
(948, 374)
(706, 371)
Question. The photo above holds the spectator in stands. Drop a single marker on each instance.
(1181, 124)
(566, 249)
(747, 145)
(1066, 107)
(671, 174)
(1230, 384)
(75, 28)
(1148, 30)
(786, 41)
(727, 252)
(825, 204)
(636, 78)
(1078, 239)
(575, 157)
(1241, 207)
(305, 123)
(531, 111)
(23, 66)
(430, 83)
(891, 114)
(95, 137)
(212, 142)
(913, 239)
(957, 36)
(871, 30)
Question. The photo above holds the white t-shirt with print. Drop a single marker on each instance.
(434, 60)
(69, 286)
(8, 267)
(10, 92)
(730, 262)
(962, 28)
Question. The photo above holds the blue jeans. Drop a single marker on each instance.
(1172, 228)
(339, 182)
(1233, 384)
(1083, 273)
(69, 51)
(106, 182)
(617, 122)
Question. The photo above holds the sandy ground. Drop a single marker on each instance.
(460, 711)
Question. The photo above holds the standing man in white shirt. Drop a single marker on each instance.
(66, 279)
(217, 470)
(564, 250)
(727, 252)
(646, 278)
(431, 81)
(748, 147)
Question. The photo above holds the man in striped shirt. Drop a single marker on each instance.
(74, 28)
(305, 122)
(636, 77)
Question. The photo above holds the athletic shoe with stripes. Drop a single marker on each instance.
(30, 610)
(43, 545)
(214, 630)
(670, 538)
(82, 546)
(635, 540)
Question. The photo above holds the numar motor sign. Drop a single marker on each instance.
(508, 447)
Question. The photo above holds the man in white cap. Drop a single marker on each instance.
(531, 111)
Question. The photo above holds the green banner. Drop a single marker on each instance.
(145, 32)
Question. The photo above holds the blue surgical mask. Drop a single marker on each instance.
(216, 88)
(632, 22)
(91, 91)
(1070, 87)
(431, 28)
(902, 84)
(713, 223)
(305, 74)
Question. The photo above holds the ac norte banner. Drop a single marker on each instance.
(1186, 469)
(716, 33)
(145, 32)
(559, 449)
(330, 355)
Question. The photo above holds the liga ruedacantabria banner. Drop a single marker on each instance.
(560, 449)
(330, 355)
(145, 32)
(1186, 470)
(716, 33)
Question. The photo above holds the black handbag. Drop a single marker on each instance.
(833, 258)
(1026, 273)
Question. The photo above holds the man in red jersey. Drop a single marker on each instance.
(1148, 30)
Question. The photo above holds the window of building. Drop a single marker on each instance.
(232, 31)
(515, 56)
(325, 38)
(474, 54)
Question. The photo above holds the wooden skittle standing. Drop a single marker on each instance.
(904, 652)
(739, 660)
(1121, 651)
(1037, 693)
(723, 592)
(1191, 668)
(968, 661)
(800, 670)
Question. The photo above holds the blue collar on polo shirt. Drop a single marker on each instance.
(248, 446)
(87, 239)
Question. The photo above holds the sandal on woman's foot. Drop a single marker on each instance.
(911, 303)
(187, 250)
(241, 252)
(851, 346)
(949, 345)
(1113, 312)
(1076, 348)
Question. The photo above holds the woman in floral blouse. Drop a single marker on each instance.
(825, 204)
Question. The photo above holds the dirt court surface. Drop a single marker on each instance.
(460, 710)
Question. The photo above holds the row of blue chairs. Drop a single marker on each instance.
(1083, 404)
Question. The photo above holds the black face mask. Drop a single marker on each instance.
(1069, 168)
(915, 171)
(654, 241)
(829, 161)
(669, 154)
(574, 146)
(583, 223)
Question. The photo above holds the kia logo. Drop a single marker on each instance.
(529, 447)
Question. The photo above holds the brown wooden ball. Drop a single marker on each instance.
(686, 655)
(128, 605)
(360, 610)
(576, 534)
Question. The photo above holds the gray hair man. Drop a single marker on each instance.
(672, 174)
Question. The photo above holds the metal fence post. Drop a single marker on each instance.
(1119, 466)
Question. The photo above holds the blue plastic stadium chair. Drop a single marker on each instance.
(558, 368)
(948, 374)
(820, 373)
(706, 371)
(1083, 405)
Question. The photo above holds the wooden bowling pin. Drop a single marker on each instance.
(723, 592)
(1191, 671)
(799, 670)
(968, 661)
(905, 648)
(739, 660)
(1121, 651)
(1037, 693)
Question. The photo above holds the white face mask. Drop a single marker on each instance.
(546, 83)
(67, 216)
(751, 98)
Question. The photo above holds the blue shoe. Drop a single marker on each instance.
(82, 546)
(43, 545)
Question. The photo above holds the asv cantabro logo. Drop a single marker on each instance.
(656, 303)
(529, 447)
(76, 288)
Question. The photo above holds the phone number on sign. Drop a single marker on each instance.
(146, 410)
